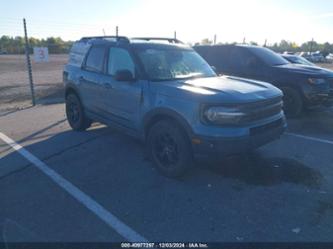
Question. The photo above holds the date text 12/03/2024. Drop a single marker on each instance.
(164, 245)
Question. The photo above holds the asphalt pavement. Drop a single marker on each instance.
(97, 186)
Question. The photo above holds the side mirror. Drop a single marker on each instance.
(124, 75)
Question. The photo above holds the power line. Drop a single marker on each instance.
(47, 21)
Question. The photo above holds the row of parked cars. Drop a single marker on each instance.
(182, 105)
(316, 57)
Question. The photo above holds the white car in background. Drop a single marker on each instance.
(329, 58)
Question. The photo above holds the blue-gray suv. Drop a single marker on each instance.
(162, 92)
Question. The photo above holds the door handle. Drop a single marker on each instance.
(107, 85)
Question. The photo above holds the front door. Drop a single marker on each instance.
(122, 100)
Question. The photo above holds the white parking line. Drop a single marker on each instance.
(111, 220)
(310, 138)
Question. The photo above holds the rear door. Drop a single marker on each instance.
(90, 79)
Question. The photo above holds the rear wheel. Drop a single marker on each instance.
(169, 148)
(75, 113)
(292, 102)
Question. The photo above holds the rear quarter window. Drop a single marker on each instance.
(78, 53)
(95, 59)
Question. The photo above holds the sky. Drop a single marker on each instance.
(230, 20)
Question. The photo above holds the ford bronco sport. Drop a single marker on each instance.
(162, 92)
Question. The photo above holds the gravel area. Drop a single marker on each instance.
(14, 81)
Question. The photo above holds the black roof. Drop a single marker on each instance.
(136, 41)
(226, 45)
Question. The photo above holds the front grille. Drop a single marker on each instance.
(261, 110)
(330, 80)
(266, 127)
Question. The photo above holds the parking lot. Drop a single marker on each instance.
(97, 185)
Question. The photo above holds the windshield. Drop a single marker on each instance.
(268, 56)
(170, 64)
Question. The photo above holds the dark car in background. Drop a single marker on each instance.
(329, 58)
(303, 86)
(315, 57)
(295, 59)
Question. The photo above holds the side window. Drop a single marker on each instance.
(243, 61)
(222, 55)
(238, 60)
(95, 59)
(120, 59)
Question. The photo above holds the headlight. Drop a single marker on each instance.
(316, 81)
(223, 115)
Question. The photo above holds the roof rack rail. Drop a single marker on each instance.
(170, 40)
(118, 38)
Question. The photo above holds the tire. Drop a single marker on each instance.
(75, 113)
(169, 148)
(292, 102)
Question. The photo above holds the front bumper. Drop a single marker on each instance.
(319, 95)
(329, 100)
(261, 135)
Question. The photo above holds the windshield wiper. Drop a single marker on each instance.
(189, 76)
(184, 77)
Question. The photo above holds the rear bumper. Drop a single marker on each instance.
(261, 135)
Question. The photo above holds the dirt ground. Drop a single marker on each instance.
(326, 65)
(14, 82)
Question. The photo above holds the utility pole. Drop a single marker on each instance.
(215, 39)
(117, 31)
(29, 63)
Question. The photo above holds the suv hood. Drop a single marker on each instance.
(306, 70)
(224, 89)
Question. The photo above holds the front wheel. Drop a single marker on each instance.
(169, 148)
(75, 113)
(292, 102)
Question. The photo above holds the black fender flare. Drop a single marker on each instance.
(70, 87)
(161, 112)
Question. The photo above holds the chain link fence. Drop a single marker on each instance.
(14, 82)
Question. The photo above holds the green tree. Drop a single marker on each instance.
(16, 45)
(206, 41)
